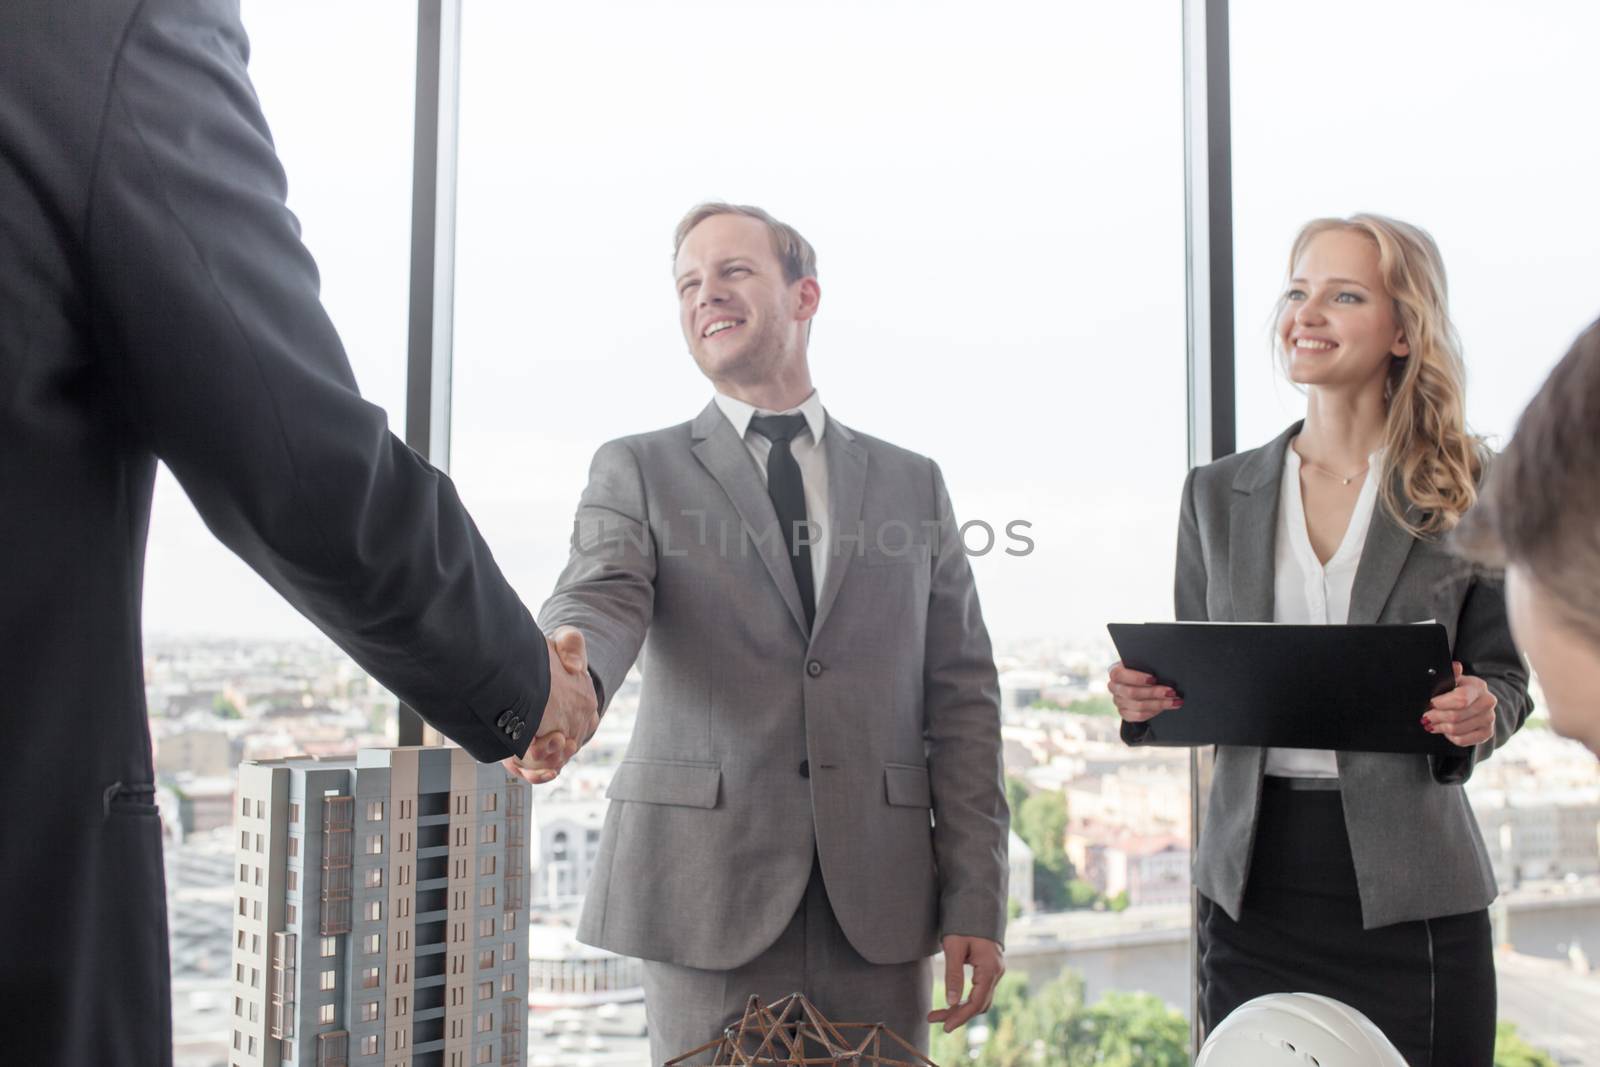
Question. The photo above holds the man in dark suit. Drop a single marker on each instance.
(156, 303)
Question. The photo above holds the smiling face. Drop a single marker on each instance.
(1567, 665)
(1337, 325)
(744, 322)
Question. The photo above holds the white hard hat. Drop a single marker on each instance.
(1297, 1030)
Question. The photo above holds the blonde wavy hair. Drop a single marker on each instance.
(1431, 461)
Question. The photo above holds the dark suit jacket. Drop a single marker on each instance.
(156, 303)
(1418, 852)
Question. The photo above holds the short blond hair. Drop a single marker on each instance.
(795, 254)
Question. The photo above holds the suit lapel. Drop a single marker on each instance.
(847, 483)
(1382, 557)
(1253, 528)
(726, 459)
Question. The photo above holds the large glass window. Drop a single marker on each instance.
(997, 207)
(1463, 124)
(232, 672)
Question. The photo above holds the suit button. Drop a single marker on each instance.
(516, 734)
(505, 717)
(805, 768)
(814, 668)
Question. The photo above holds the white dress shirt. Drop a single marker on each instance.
(806, 447)
(1305, 590)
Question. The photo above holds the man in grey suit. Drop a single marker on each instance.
(813, 795)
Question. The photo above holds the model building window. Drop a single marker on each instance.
(485, 1022)
(374, 910)
(325, 1013)
(374, 943)
(369, 980)
(374, 844)
(369, 1011)
(260, 847)
(244, 839)
(290, 912)
(294, 816)
(486, 865)
(328, 980)
(485, 927)
(329, 947)
(375, 811)
(508, 982)
(485, 1054)
(294, 846)
(374, 877)
(291, 881)
(369, 1045)
(510, 952)
(485, 990)
(486, 896)
(261, 811)
(491, 801)
(486, 960)
(255, 944)
(491, 833)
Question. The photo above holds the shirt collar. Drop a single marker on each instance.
(739, 413)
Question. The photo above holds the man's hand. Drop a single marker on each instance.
(571, 715)
(988, 962)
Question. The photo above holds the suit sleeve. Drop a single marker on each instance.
(962, 725)
(1189, 584)
(1485, 650)
(607, 589)
(206, 306)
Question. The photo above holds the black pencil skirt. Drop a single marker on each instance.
(1428, 985)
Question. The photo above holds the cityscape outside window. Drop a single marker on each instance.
(997, 206)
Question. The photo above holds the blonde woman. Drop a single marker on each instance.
(1356, 875)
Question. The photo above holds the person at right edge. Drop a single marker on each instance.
(1355, 875)
(156, 303)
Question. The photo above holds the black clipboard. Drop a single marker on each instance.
(1361, 688)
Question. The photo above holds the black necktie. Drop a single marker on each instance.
(788, 493)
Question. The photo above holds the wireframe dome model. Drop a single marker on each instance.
(791, 1032)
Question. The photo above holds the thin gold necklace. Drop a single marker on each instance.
(1324, 470)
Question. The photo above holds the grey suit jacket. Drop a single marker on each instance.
(891, 701)
(1418, 853)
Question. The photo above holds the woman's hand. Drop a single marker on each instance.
(1465, 715)
(1138, 696)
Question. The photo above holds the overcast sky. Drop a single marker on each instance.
(997, 205)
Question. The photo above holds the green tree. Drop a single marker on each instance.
(1127, 1030)
(1016, 796)
(1054, 1028)
(1510, 1050)
(1081, 894)
(1099, 704)
(1042, 823)
(223, 708)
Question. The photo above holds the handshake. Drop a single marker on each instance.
(571, 714)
